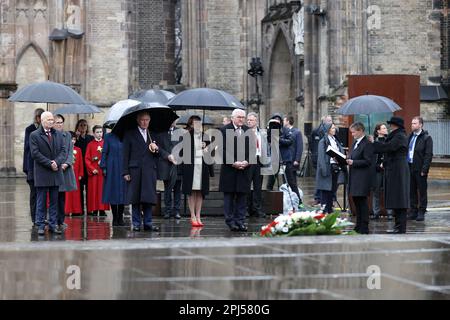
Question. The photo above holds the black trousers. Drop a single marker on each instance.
(362, 215)
(32, 200)
(61, 205)
(400, 219)
(418, 192)
(254, 199)
(234, 208)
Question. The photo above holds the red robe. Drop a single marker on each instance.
(73, 200)
(95, 182)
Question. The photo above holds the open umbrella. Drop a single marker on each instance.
(153, 96)
(47, 92)
(162, 118)
(206, 99)
(117, 110)
(184, 119)
(368, 104)
(78, 109)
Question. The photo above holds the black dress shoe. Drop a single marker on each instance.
(166, 216)
(396, 231)
(413, 216)
(234, 228)
(420, 217)
(177, 216)
(41, 232)
(136, 229)
(242, 228)
(151, 228)
(57, 230)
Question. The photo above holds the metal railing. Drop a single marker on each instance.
(440, 132)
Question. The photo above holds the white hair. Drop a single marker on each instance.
(237, 112)
(45, 115)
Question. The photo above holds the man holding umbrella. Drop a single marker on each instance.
(140, 171)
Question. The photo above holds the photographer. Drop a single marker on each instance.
(287, 139)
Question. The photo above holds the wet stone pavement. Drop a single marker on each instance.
(212, 263)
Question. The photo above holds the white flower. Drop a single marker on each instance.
(285, 230)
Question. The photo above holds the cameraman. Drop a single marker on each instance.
(288, 156)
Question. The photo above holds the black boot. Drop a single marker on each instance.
(114, 214)
(421, 216)
(120, 221)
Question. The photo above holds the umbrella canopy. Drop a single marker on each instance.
(206, 99)
(47, 92)
(153, 96)
(117, 110)
(206, 120)
(78, 109)
(368, 104)
(162, 118)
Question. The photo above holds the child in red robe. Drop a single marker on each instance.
(73, 200)
(95, 174)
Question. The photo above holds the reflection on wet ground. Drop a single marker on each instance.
(212, 263)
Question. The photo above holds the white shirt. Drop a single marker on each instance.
(143, 133)
(258, 142)
(411, 150)
(357, 142)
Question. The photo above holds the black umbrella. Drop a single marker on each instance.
(368, 104)
(206, 99)
(162, 118)
(78, 109)
(153, 96)
(47, 92)
(184, 119)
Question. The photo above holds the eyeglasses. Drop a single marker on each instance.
(59, 122)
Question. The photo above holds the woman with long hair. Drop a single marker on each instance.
(196, 172)
(379, 134)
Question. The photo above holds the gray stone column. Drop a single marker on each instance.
(7, 168)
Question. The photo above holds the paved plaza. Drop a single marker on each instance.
(212, 263)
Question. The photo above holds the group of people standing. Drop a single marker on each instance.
(394, 162)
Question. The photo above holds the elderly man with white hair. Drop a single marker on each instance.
(49, 152)
(235, 172)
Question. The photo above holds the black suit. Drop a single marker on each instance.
(43, 151)
(168, 172)
(419, 167)
(140, 164)
(360, 181)
(28, 169)
(235, 183)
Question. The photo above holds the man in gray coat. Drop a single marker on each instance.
(49, 153)
(69, 183)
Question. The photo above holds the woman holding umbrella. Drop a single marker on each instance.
(196, 172)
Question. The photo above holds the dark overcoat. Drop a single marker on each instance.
(28, 162)
(114, 185)
(361, 173)
(140, 164)
(396, 173)
(324, 179)
(43, 152)
(231, 179)
(166, 145)
(188, 168)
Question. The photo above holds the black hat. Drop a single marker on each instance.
(397, 121)
(277, 115)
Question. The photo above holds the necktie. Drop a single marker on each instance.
(144, 135)
(411, 149)
(49, 136)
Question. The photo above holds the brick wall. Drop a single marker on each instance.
(409, 40)
(107, 52)
(156, 42)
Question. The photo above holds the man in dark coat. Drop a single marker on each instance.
(49, 152)
(361, 165)
(235, 171)
(168, 172)
(397, 176)
(420, 155)
(140, 155)
(28, 163)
